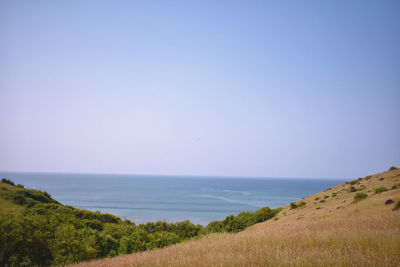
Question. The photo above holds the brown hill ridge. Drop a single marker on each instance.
(331, 228)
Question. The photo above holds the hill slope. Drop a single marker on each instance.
(36, 230)
(331, 228)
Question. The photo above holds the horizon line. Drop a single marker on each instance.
(175, 175)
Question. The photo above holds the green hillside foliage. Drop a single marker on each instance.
(241, 221)
(36, 230)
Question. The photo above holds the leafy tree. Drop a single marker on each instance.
(67, 246)
(186, 229)
(139, 239)
(215, 227)
(162, 239)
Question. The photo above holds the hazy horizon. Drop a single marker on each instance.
(167, 175)
(230, 88)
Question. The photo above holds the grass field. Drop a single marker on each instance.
(330, 229)
(7, 206)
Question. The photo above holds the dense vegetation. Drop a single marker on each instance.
(45, 232)
(241, 221)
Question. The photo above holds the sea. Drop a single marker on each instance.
(146, 198)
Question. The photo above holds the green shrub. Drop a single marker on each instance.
(186, 229)
(265, 213)
(6, 181)
(215, 227)
(293, 205)
(302, 204)
(354, 182)
(20, 200)
(392, 168)
(32, 195)
(380, 189)
(162, 239)
(360, 196)
(25, 241)
(94, 224)
(243, 220)
(235, 224)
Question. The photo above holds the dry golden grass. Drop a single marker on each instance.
(337, 232)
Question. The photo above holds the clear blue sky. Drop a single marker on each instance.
(242, 88)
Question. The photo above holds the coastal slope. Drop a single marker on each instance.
(356, 223)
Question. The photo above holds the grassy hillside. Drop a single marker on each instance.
(339, 226)
(7, 205)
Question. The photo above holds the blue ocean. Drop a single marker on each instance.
(144, 198)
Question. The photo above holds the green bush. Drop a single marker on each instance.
(215, 227)
(243, 220)
(265, 213)
(186, 229)
(380, 189)
(360, 196)
(162, 239)
(354, 182)
(392, 168)
(293, 205)
(6, 181)
(94, 224)
(25, 241)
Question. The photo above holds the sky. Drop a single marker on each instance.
(217, 88)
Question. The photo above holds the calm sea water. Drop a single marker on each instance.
(170, 198)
